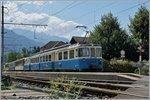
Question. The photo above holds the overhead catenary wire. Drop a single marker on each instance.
(32, 24)
(63, 9)
(94, 11)
(108, 5)
(119, 12)
(102, 8)
(124, 10)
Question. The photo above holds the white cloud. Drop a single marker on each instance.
(34, 2)
(56, 26)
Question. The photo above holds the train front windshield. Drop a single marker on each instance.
(84, 52)
(90, 52)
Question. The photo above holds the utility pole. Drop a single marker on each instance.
(2, 40)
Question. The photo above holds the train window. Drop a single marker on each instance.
(83, 52)
(31, 60)
(66, 55)
(41, 60)
(37, 59)
(71, 54)
(92, 52)
(76, 53)
(60, 56)
(49, 57)
(99, 52)
(46, 57)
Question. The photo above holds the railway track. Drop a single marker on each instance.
(99, 88)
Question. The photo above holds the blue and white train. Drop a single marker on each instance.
(76, 57)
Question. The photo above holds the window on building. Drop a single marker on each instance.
(66, 55)
(71, 54)
(60, 56)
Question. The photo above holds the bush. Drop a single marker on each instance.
(119, 66)
(145, 67)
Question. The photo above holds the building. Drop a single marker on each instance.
(76, 39)
(52, 44)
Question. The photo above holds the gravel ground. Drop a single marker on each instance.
(25, 96)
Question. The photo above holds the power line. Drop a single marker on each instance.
(89, 23)
(130, 7)
(58, 12)
(108, 5)
(76, 5)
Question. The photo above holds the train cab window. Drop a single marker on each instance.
(99, 52)
(60, 56)
(92, 52)
(83, 52)
(71, 54)
(49, 57)
(66, 55)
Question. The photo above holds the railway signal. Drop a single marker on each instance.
(122, 52)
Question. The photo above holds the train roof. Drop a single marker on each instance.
(65, 46)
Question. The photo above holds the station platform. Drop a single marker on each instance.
(140, 92)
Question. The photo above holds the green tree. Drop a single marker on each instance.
(139, 28)
(19, 56)
(25, 52)
(111, 37)
(12, 56)
(36, 49)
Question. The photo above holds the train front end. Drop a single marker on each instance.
(90, 58)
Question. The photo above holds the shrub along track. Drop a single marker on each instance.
(98, 88)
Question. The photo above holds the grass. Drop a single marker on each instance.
(70, 88)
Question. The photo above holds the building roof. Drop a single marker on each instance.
(52, 44)
(76, 39)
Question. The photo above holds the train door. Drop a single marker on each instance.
(53, 58)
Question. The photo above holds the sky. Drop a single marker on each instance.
(62, 16)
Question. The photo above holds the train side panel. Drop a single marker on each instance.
(67, 65)
(26, 67)
(90, 64)
(46, 66)
(34, 66)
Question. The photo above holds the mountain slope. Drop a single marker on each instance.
(15, 42)
(40, 37)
